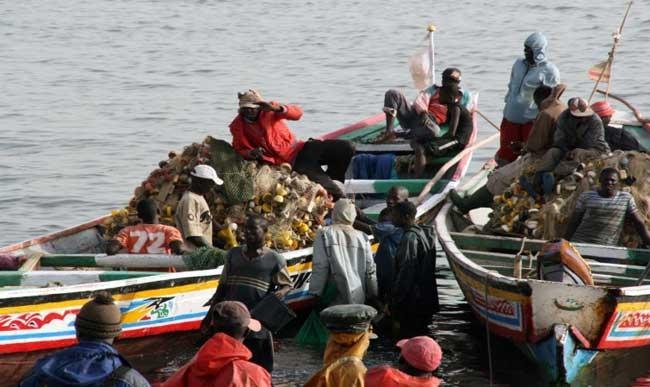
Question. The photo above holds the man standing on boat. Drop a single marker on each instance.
(250, 273)
(539, 141)
(520, 110)
(224, 360)
(599, 215)
(93, 361)
(193, 216)
(259, 132)
(437, 123)
(148, 237)
(414, 297)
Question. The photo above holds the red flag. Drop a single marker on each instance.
(595, 71)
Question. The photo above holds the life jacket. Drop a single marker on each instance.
(386, 376)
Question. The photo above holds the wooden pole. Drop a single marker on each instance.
(432, 67)
(610, 60)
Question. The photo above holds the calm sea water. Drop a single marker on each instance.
(94, 93)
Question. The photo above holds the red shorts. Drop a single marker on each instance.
(511, 132)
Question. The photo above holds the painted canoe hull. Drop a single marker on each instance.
(573, 333)
(33, 319)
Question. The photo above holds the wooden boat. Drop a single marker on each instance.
(580, 335)
(38, 307)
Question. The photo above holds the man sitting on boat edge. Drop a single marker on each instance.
(599, 215)
(259, 133)
(149, 237)
(438, 121)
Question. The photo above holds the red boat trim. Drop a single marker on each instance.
(351, 128)
(54, 235)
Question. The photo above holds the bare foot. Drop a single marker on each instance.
(384, 138)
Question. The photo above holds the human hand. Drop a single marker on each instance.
(269, 107)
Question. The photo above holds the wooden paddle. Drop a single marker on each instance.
(450, 164)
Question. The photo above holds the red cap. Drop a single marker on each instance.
(603, 109)
(421, 352)
(234, 313)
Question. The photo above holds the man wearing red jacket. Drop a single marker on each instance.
(224, 360)
(259, 133)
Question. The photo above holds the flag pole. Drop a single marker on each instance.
(610, 59)
(432, 67)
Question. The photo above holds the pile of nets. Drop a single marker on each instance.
(516, 213)
(293, 205)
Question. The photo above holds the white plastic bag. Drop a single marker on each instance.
(420, 67)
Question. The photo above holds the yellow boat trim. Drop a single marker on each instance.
(633, 306)
(69, 304)
(212, 284)
(480, 287)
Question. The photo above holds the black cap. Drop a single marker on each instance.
(351, 318)
(451, 74)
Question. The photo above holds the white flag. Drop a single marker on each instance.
(421, 67)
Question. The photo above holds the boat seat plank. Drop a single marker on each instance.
(612, 254)
(485, 258)
(399, 147)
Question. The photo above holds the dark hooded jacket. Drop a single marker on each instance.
(87, 364)
(415, 283)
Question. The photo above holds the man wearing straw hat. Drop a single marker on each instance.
(259, 132)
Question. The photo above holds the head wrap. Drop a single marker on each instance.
(603, 109)
(537, 42)
(344, 212)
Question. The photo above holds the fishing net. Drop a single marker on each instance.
(313, 332)
(516, 213)
(293, 205)
(205, 258)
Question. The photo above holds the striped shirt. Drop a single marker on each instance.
(602, 218)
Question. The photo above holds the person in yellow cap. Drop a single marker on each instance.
(93, 361)
(350, 334)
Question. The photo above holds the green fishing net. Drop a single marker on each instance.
(231, 168)
(205, 258)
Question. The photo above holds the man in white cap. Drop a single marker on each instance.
(193, 216)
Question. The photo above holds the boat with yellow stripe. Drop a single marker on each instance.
(39, 301)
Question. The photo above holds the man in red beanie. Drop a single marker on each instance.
(420, 357)
(616, 137)
(93, 361)
(224, 359)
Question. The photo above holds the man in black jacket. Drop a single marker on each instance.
(414, 297)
